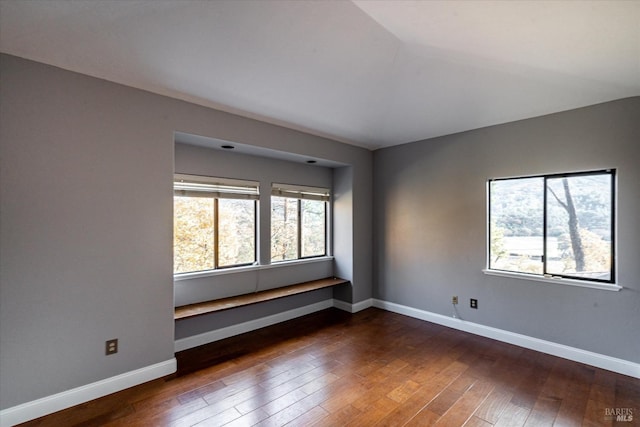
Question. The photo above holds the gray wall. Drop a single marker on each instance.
(430, 226)
(342, 207)
(86, 170)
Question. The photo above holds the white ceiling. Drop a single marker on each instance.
(369, 73)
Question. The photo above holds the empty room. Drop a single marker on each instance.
(319, 212)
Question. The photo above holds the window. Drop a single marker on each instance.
(214, 223)
(298, 222)
(554, 225)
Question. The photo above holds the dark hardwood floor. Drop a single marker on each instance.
(378, 368)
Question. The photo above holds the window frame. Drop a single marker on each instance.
(300, 229)
(220, 188)
(300, 193)
(217, 265)
(609, 284)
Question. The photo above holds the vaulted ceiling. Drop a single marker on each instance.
(369, 73)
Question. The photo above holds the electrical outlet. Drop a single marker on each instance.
(473, 303)
(454, 300)
(111, 347)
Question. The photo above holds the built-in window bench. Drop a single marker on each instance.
(205, 307)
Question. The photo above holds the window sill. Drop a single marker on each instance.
(235, 270)
(278, 264)
(219, 272)
(554, 280)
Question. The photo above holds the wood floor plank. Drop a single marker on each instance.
(513, 416)
(269, 395)
(161, 413)
(529, 387)
(450, 395)
(423, 418)
(233, 398)
(164, 418)
(373, 368)
(372, 395)
(491, 409)
(544, 412)
(423, 396)
(313, 417)
(370, 415)
(319, 383)
(595, 415)
(344, 397)
(404, 391)
(444, 401)
(309, 401)
(340, 417)
(290, 413)
(627, 394)
(249, 419)
(574, 402)
(282, 402)
(601, 396)
(294, 372)
(199, 392)
(477, 422)
(198, 416)
(220, 419)
(464, 407)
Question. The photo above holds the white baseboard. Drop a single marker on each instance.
(252, 325)
(66, 399)
(353, 308)
(609, 363)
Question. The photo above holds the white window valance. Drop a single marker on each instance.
(205, 186)
(300, 192)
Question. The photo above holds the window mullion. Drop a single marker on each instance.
(299, 228)
(613, 225)
(216, 234)
(256, 250)
(326, 231)
(544, 226)
(489, 227)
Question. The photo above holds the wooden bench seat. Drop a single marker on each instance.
(206, 307)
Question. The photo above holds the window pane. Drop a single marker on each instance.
(313, 227)
(516, 227)
(236, 232)
(193, 245)
(284, 228)
(579, 226)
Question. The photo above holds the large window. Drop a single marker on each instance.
(214, 223)
(298, 222)
(554, 225)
